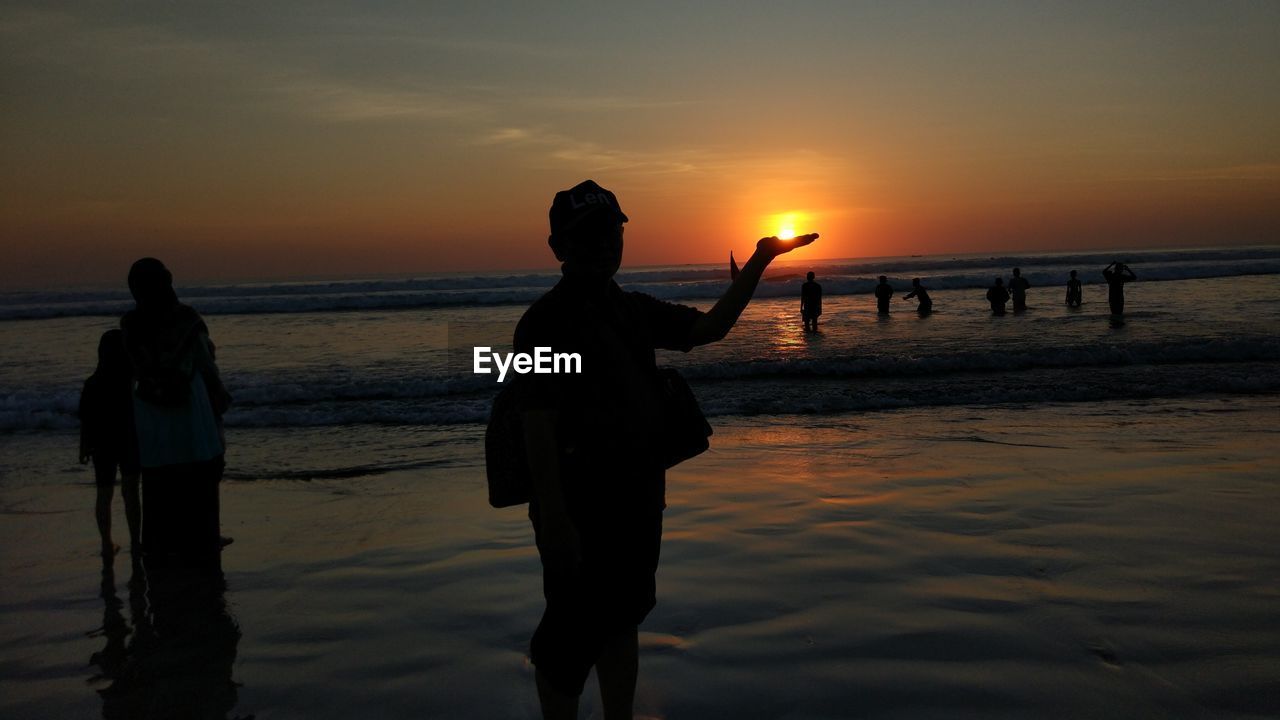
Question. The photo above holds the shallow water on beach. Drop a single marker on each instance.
(414, 367)
(1111, 559)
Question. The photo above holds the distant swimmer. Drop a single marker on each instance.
(997, 296)
(1074, 291)
(1116, 278)
(810, 303)
(884, 292)
(922, 295)
(733, 267)
(1018, 289)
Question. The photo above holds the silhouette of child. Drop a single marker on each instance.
(107, 436)
(997, 295)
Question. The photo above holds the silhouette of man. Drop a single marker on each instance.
(884, 292)
(1018, 290)
(921, 295)
(1075, 293)
(997, 295)
(1117, 274)
(810, 303)
(591, 442)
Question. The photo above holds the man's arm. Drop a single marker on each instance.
(717, 322)
(559, 536)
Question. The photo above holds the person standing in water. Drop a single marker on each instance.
(1018, 290)
(997, 295)
(1075, 292)
(593, 447)
(108, 438)
(178, 402)
(921, 295)
(1117, 274)
(884, 293)
(810, 303)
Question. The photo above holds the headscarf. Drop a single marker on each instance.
(160, 334)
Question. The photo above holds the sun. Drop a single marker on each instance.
(786, 223)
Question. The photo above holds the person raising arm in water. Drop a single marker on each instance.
(1117, 274)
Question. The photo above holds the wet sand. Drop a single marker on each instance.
(1108, 560)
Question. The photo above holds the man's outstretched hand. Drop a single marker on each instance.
(774, 246)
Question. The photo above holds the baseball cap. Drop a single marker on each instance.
(570, 207)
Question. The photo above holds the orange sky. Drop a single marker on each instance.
(269, 142)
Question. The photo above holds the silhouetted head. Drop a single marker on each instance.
(884, 279)
(112, 357)
(999, 282)
(1017, 272)
(915, 282)
(151, 284)
(810, 275)
(1073, 274)
(586, 230)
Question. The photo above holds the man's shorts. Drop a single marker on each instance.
(611, 592)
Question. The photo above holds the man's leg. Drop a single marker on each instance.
(617, 668)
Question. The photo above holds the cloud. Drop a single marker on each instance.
(342, 102)
(588, 155)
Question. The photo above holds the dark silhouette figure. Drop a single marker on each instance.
(179, 661)
(178, 404)
(1075, 292)
(919, 292)
(1117, 274)
(733, 267)
(997, 295)
(1018, 290)
(593, 442)
(884, 293)
(108, 438)
(810, 303)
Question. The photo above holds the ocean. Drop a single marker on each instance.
(398, 352)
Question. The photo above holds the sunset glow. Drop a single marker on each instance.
(787, 224)
(411, 139)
